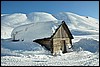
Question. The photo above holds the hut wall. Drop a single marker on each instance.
(60, 44)
(56, 45)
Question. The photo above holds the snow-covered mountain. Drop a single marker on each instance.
(76, 21)
(40, 17)
(10, 21)
(78, 24)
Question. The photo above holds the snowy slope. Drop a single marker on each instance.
(40, 17)
(17, 19)
(79, 24)
(10, 21)
(75, 21)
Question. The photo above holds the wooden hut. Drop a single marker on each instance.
(60, 40)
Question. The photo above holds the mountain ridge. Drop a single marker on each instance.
(75, 22)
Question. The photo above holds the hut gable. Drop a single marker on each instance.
(62, 32)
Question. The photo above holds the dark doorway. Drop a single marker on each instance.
(63, 46)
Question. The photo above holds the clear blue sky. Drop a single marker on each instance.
(86, 8)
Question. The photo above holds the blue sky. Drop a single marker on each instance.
(86, 8)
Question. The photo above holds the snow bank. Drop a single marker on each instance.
(31, 46)
(87, 45)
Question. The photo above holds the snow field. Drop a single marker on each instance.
(82, 58)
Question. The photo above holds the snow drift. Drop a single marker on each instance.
(87, 45)
(8, 44)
